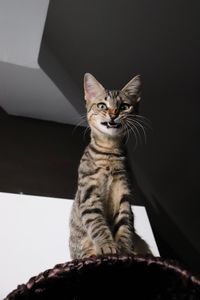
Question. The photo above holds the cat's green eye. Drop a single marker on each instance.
(102, 105)
(124, 106)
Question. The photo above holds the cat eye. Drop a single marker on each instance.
(124, 106)
(102, 105)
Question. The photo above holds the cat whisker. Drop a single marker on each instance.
(144, 123)
(130, 127)
(141, 117)
(126, 132)
(142, 128)
(86, 130)
(134, 125)
(143, 120)
(137, 132)
(139, 125)
(81, 122)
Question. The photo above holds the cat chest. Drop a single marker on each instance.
(112, 173)
(101, 173)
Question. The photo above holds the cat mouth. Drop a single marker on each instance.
(111, 124)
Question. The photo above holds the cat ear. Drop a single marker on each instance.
(92, 88)
(133, 88)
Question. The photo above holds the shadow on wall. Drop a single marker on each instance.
(172, 242)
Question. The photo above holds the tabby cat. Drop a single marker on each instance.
(101, 219)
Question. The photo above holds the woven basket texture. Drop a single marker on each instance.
(112, 277)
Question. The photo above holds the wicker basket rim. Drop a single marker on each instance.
(60, 270)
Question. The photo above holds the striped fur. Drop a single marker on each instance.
(101, 219)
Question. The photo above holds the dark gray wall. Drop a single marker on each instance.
(38, 157)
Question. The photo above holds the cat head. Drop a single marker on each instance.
(109, 111)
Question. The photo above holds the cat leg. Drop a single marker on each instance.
(122, 224)
(123, 229)
(87, 248)
(93, 220)
(126, 238)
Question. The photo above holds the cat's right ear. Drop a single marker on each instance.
(92, 88)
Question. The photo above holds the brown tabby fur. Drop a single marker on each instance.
(101, 219)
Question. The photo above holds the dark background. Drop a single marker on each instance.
(39, 157)
(115, 40)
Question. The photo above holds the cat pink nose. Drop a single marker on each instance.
(112, 117)
(113, 114)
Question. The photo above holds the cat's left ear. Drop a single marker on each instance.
(133, 88)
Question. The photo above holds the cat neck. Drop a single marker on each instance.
(106, 142)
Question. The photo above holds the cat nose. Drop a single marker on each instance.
(113, 117)
(113, 114)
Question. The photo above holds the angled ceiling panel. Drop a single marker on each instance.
(25, 88)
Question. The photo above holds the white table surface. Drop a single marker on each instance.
(34, 234)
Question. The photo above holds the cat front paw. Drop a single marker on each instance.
(106, 249)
